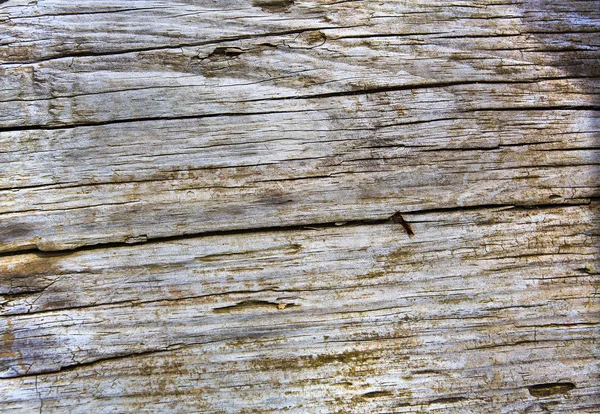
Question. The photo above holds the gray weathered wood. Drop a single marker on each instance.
(465, 315)
(253, 152)
(238, 116)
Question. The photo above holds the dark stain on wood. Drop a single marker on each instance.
(397, 218)
(550, 389)
(273, 6)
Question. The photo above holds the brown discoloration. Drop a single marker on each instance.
(347, 357)
(550, 389)
(32, 265)
(351, 363)
(10, 356)
(373, 274)
(397, 218)
(8, 339)
(30, 274)
(273, 6)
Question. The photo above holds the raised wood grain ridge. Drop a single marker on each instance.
(299, 206)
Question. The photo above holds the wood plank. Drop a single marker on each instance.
(481, 310)
(250, 115)
(299, 206)
(108, 27)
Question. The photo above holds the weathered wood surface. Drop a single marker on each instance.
(236, 138)
(210, 118)
(467, 315)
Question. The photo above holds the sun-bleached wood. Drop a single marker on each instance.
(299, 206)
(210, 118)
(484, 310)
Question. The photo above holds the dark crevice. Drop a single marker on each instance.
(406, 87)
(550, 389)
(9, 315)
(140, 302)
(75, 184)
(514, 207)
(84, 54)
(151, 240)
(82, 13)
(377, 394)
(310, 226)
(525, 342)
(502, 146)
(385, 35)
(73, 367)
(143, 119)
(537, 108)
(447, 400)
(421, 121)
(357, 92)
(308, 177)
(252, 304)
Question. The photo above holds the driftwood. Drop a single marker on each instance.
(289, 206)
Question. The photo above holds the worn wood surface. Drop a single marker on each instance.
(468, 314)
(196, 203)
(211, 118)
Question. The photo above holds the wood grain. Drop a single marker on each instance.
(299, 206)
(318, 113)
(467, 315)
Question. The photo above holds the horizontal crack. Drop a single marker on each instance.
(136, 302)
(295, 227)
(405, 87)
(72, 367)
(357, 92)
(143, 119)
(536, 108)
(177, 46)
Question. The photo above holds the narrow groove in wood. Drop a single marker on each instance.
(413, 86)
(300, 227)
(143, 119)
(72, 367)
(537, 108)
(359, 92)
(176, 46)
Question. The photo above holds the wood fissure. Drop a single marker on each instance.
(286, 206)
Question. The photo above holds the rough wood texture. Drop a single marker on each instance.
(210, 118)
(333, 206)
(468, 314)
